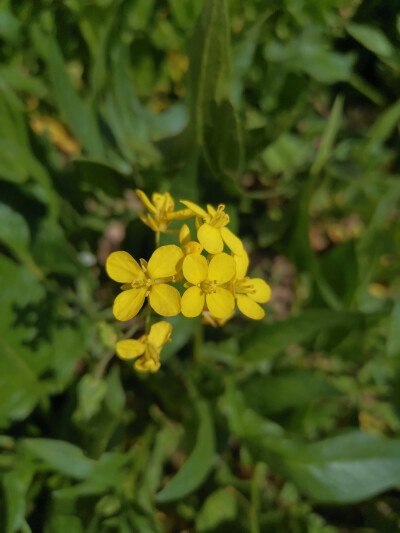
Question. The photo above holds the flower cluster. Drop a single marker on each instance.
(214, 283)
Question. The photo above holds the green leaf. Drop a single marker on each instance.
(372, 38)
(75, 112)
(331, 263)
(15, 486)
(220, 507)
(393, 339)
(344, 469)
(60, 456)
(213, 116)
(91, 392)
(329, 136)
(287, 154)
(194, 472)
(20, 390)
(383, 126)
(14, 230)
(66, 523)
(266, 341)
(243, 421)
(273, 394)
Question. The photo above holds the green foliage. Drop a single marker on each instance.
(287, 113)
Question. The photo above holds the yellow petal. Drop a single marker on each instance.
(160, 333)
(222, 268)
(232, 242)
(184, 235)
(192, 302)
(211, 210)
(149, 221)
(146, 365)
(220, 303)
(210, 238)
(195, 268)
(262, 290)
(249, 307)
(242, 264)
(165, 262)
(144, 199)
(165, 300)
(121, 267)
(130, 348)
(128, 303)
(197, 210)
(182, 214)
(163, 201)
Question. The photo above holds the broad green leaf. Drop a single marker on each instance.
(243, 421)
(273, 394)
(14, 230)
(20, 389)
(372, 38)
(220, 507)
(344, 469)
(196, 469)
(65, 523)
(287, 154)
(75, 112)
(213, 116)
(109, 472)
(91, 392)
(265, 341)
(60, 456)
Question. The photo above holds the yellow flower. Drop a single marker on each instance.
(213, 233)
(187, 245)
(162, 208)
(249, 292)
(150, 279)
(146, 350)
(206, 285)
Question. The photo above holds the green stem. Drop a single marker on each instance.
(148, 320)
(198, 341)
(157, 238)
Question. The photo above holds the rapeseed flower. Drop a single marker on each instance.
(207, 284)
(213, 233)
(162, 208)
(146, 350)
(147, 279)
(249, 293)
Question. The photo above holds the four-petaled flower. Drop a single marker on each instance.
(146, 350)
(249, 293)
(162, 209)
(213, 233)
(150, 279)
(206, 285)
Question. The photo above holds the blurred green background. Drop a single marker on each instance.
(287, 112)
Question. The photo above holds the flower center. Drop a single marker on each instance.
(244, 286)
(141, 283)
(219, 219)
(208, 286)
